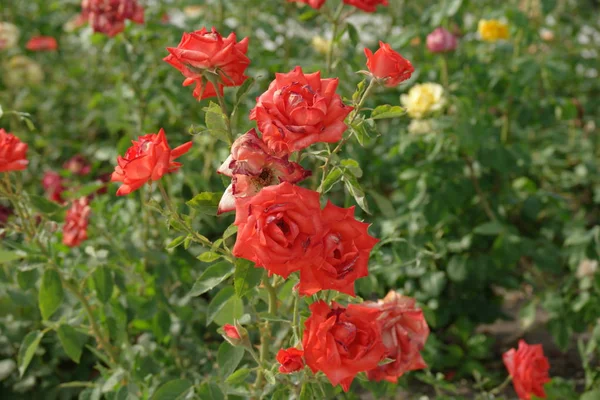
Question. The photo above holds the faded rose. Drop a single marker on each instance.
(202, 52)
(108, 16)
(441, 41)
(342, 341)
(277, 226)
(76, 222)
(388, 65)
(252, 166)
(13, 152)
(316, 4)
(403, 332)
(290, 360)
(340, 257)
(42, 43)
(298, 110)
(367, 5)
(78, 165)
(529, 369)
(148, 159)
(54, 186)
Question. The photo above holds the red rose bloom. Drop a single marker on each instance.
(529, 369)
(316, 4)
(76, 222)
(404, 332)
(42, 43)
(202, 51)
(108, 16)
(342, 342)
(54, 186)
(231, 331)
(388, 65)
(290, 360)
(276, 227)
(251, 167)
(298, 110)
(340, 257)
(78, 165)
(441, 41)
(13, 152)
(366, 5)
(148, 159)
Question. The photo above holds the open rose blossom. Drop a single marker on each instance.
(252, 166)
(290, 360)
(13, 152)
(78, 165)
(388, 65)
(148, 159)
(108, 16)
(202, 51)
(76, 222)
(441, 41)
(342, 342)
(298, 110)
(54, 186)
(367, 5)
(528, 368)
(316, 4)
(42, 43)
(403, 332)
(340, 257)
(276, 227)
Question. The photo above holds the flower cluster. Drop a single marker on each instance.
(365, 5)
(108, 16)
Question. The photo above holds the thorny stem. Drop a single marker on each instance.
(336, 24)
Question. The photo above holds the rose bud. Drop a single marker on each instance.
(388, 65)
(441, 41)
(290, 360)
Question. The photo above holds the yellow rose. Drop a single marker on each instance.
(320, 44)
(22, 70)
(420, 126)
(9, 35)
(491, 30)
(423, 99)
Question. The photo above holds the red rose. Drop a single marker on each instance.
(290, 360)
(276, 227)
(13, 152)
(528, 368)
(366, 5)
(78, 165)
(404, 332)
(202, 51)
(108, 16)
(388, 65)
(298, 110)
(316, 4)
(148, 159)
(42, 43)
(76, 222)
(340, 257)
(252, 166)
(54, 186)
(342, 342)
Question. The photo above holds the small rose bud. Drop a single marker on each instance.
(235, 334)
(231, 331)
(290, 360)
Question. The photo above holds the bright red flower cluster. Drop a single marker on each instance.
(108, 16)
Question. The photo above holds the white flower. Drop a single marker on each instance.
(9, 35)
(420, 126)
(586, 268)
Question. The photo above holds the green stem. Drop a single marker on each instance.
(215, 81)
(501, 387)
(444, 70)
(296, 319)
(265, 331)
(336, 24)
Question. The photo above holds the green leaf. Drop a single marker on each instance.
(384, 204)
(1, 111)
(205, 203)
(173, 390)
(593, 395)
(457, 268)
(7, 256)
(230, 231)
(176, 242)
(27, 350)
(228, 358)
(51, 293)
(225, 307)
(246, 276)
(527, 315)
(387, 111)
(103, 283)
(216, 122)
(243, 90)
(332, 178)
(306, 392)
(210, 391)
(491, 228)
(71, 341)
(211, 277)
(238, 377)
(209, 256)
(356, 191)
(353, 35)
(44, 205)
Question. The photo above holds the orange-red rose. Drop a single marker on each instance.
(108, 16)
(388, 65)
(403, 332)
(298, 110)
(277, 226)
(316, 4)
(342, 342)
(290, 360)
(13, 152)
(367, 5)
(76, 222)
(529, 369)
(148, 159)
(202, 51)
(341, 256)
(42, 43)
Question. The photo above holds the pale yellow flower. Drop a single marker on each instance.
(320, 44)
(420, 126)
(9, 35)
(22, 70)
(492, 30)
(193, 12)
(547, 35)
(586, 268)
(423, 99)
